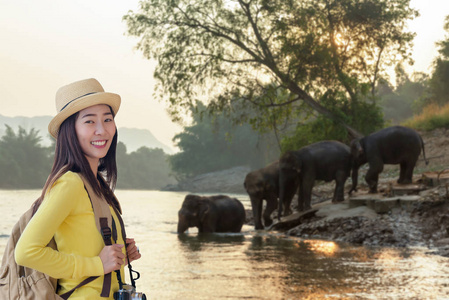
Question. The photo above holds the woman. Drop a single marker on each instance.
(86, 140)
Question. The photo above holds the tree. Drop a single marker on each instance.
(24, 162)
(213, 143)
(145, 168)
(438, 87)
(237, 50)
(399, 103)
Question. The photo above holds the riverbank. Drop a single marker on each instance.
(424, 222)
(420, 220)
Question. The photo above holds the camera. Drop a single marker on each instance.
(128, 292)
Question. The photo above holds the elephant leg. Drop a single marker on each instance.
(288, 200)
(407, 172)
(300, 197)
(287, 195)
(307, 186)
(372, 176)
(287, 188)
(256, 204)
(403, 167)
(339, 193)
(271, 206)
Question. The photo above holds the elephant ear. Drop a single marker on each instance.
(290, 161)
(356, 148)
(191, 204)
(203, 210)
(297, 164)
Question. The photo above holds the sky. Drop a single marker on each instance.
(46, 44)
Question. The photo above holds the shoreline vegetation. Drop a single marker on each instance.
(432, 117)
(150, 169)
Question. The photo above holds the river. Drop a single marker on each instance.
(254, 264)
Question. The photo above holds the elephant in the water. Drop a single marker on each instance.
(326, 160)
(211, 214)
(392, 145)
(263, 184)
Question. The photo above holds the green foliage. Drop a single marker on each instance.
(427, 97)
(214, 143)
(432, 117)
(245, 51)
(146, 168)
(438, 87)
(24, 162)
(408, 97)
(319, 128)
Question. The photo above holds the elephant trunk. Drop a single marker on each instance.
(281, 195)
(183, 224)
(354, 176)
(256, 204)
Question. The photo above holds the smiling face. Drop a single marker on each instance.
(95, 129)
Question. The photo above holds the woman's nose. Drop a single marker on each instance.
(100, 128)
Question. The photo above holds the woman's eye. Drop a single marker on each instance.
(109, 120)
(89, 122)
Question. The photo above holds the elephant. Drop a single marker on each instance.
(263, 184)
(325, 160)
(391, 145)
(211, 214)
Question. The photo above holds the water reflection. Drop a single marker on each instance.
(202, 240)
(326, 248)
(277, 267)
(256, 264)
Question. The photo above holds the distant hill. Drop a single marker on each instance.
(133, 138)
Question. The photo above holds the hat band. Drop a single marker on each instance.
(75, 99)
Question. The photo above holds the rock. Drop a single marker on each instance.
(442, 243)
(364, 200)
(385, 205)
(292, 220)
(343, 211)
(436, 178)
(225, 181)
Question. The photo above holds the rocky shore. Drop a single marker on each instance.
(421, 222)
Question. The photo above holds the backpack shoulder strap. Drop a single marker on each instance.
(103, 220)
(103, 217)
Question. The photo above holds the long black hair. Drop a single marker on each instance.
(70, 157)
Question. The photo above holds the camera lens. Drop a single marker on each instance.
(121, 295)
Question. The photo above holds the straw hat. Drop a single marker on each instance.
(77, 96)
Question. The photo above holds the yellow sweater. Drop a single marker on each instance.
(66, 213)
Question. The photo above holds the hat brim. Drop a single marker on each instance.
(111, 99)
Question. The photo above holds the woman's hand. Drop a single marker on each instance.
(112, 258)
(132, 249)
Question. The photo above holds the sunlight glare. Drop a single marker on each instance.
(339, 40)
(327, 248)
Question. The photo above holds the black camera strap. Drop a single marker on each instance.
(131, 271)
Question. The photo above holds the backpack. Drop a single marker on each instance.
(18, 282)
